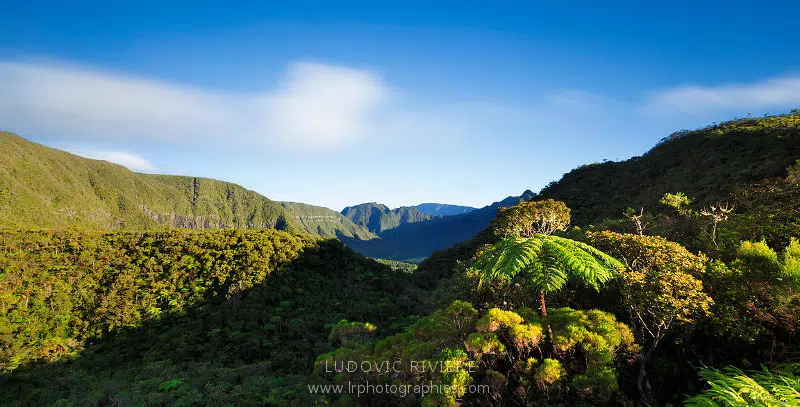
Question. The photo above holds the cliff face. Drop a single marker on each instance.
(378, 217)
(325, 222)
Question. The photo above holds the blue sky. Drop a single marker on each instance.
(337, 103)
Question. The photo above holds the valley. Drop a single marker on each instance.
(114, 283)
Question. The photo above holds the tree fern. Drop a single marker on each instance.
(547, 261)
(509, 257)
(732, 387)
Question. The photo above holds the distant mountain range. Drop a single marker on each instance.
(378, 217)
(325, 222)
(41, 187)
(414, 241)
(437, 209)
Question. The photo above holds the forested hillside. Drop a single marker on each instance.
(707, 164)
(217, 317)
(694, 300)
(324, 222)
(378, 217)
(47, 188)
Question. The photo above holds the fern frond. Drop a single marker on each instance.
(549, 279)
(583, 262)
(733, 387)
(607, 261)
(509, 257)
(549, 262)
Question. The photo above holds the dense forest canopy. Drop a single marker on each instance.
(707, 164)
(200, 311)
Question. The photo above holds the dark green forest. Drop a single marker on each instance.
(668, 279)
(225, 317)
(706, 164)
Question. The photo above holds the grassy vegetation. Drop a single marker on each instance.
(47, 188)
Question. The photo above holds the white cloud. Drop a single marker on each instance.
(323, 106)
(133, 162)
(315, 107)
(773, 93)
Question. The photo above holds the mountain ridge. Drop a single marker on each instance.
(378, 217)
(325, 222)
(42, 187)
(439, 209)
(414, 241)
(707, 164)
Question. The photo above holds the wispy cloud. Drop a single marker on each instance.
(133, 162)
(320, 107)
(315, 107)
(323, 106)
(773, 93)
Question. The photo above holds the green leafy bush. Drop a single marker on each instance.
(500, 350)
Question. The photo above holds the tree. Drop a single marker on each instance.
(756, 295)
(718, 213)
(678, 201)
(659, 288)
(496, 348)
(352, 334)
(545, 262)
(527, 219)
(638, 219)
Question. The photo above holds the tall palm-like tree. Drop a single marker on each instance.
(548, 263)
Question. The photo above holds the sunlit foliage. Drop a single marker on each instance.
(731, 387)
(500, 350)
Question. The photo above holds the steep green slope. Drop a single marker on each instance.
(437, 209)
(742, 162)
(47, 188)
(378, 218)
(706, 164)
(324, 222)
